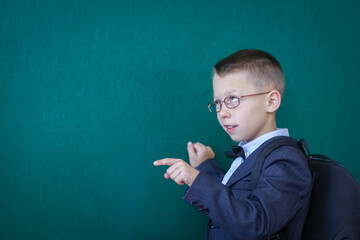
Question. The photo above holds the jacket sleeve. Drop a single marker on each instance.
(211, 168)
(283, 188)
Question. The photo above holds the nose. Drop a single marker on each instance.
(224, 112)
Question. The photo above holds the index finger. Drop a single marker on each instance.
(166, 161)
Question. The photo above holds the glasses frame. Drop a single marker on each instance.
(223, 101)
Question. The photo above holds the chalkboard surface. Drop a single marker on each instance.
(92, 92)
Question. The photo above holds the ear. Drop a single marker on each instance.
(273, 101)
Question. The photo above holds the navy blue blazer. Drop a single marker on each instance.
(279, 202)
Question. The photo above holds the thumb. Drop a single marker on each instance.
(191, 150)
(199, 146)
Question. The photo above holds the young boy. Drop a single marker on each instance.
(248, 87)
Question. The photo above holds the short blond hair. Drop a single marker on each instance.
(264, 70)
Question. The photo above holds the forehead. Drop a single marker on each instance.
(232, 82)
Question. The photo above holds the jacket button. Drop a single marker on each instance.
(205, 211)
(194, 203)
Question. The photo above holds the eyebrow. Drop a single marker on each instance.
(229, 93)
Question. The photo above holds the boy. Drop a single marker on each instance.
(248, 87)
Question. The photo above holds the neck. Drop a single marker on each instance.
(269, 126)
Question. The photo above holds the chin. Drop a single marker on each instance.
(239, 138)
(236, 138)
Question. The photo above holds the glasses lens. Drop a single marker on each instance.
(212, 107)
(232, 102)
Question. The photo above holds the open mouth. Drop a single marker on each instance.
(230, 128)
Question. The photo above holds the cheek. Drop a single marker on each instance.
(256, 107)
(219, 119)
(256, 112)
(258, 116)
(251, 117)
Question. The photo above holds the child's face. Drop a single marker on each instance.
(247, 121)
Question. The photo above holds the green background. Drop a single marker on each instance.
(92, 92)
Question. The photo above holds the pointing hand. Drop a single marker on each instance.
(179, 171)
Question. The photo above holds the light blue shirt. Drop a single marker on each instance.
(250, 147)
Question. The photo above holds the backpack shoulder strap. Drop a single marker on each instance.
(265, 151)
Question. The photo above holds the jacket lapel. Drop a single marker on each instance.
(247, 166)
(242, 171)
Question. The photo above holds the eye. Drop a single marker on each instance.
(232, 102)
(233, 99)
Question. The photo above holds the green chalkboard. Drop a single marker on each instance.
(92, 92)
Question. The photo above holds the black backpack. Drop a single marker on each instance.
(334, 212)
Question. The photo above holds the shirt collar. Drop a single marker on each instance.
(250, 147)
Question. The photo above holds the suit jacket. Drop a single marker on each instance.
(280, 201)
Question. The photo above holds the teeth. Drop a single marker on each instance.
(230, 126)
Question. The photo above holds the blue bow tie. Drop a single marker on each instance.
(236, 151)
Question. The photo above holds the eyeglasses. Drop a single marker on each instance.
(230, 102)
